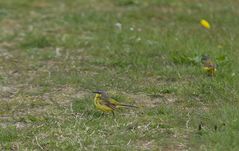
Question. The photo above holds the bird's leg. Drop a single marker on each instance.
(113, 113)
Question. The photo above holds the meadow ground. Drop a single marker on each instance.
(54, 53)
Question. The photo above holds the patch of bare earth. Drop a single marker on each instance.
(148, 101)
(19, 106)
(146, 145)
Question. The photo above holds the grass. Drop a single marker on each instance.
(53, 54)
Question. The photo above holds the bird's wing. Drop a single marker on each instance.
(108, 104)
(208, 63)
(118, 105)
(113, 101)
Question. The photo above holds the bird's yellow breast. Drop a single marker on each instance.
(99, 105)
(210, 70)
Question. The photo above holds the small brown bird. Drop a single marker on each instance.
(208, 65)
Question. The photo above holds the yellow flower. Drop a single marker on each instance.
(205, 24)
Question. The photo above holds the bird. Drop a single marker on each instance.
(205, 24)
(105, 103)
(208, 65)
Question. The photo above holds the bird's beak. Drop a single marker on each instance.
(95, 92)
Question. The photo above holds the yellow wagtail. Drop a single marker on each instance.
(208, 65)
(104, 103)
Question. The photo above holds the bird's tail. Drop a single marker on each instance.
(126, 105)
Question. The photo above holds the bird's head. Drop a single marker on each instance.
(204, 58)
(101, 94)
